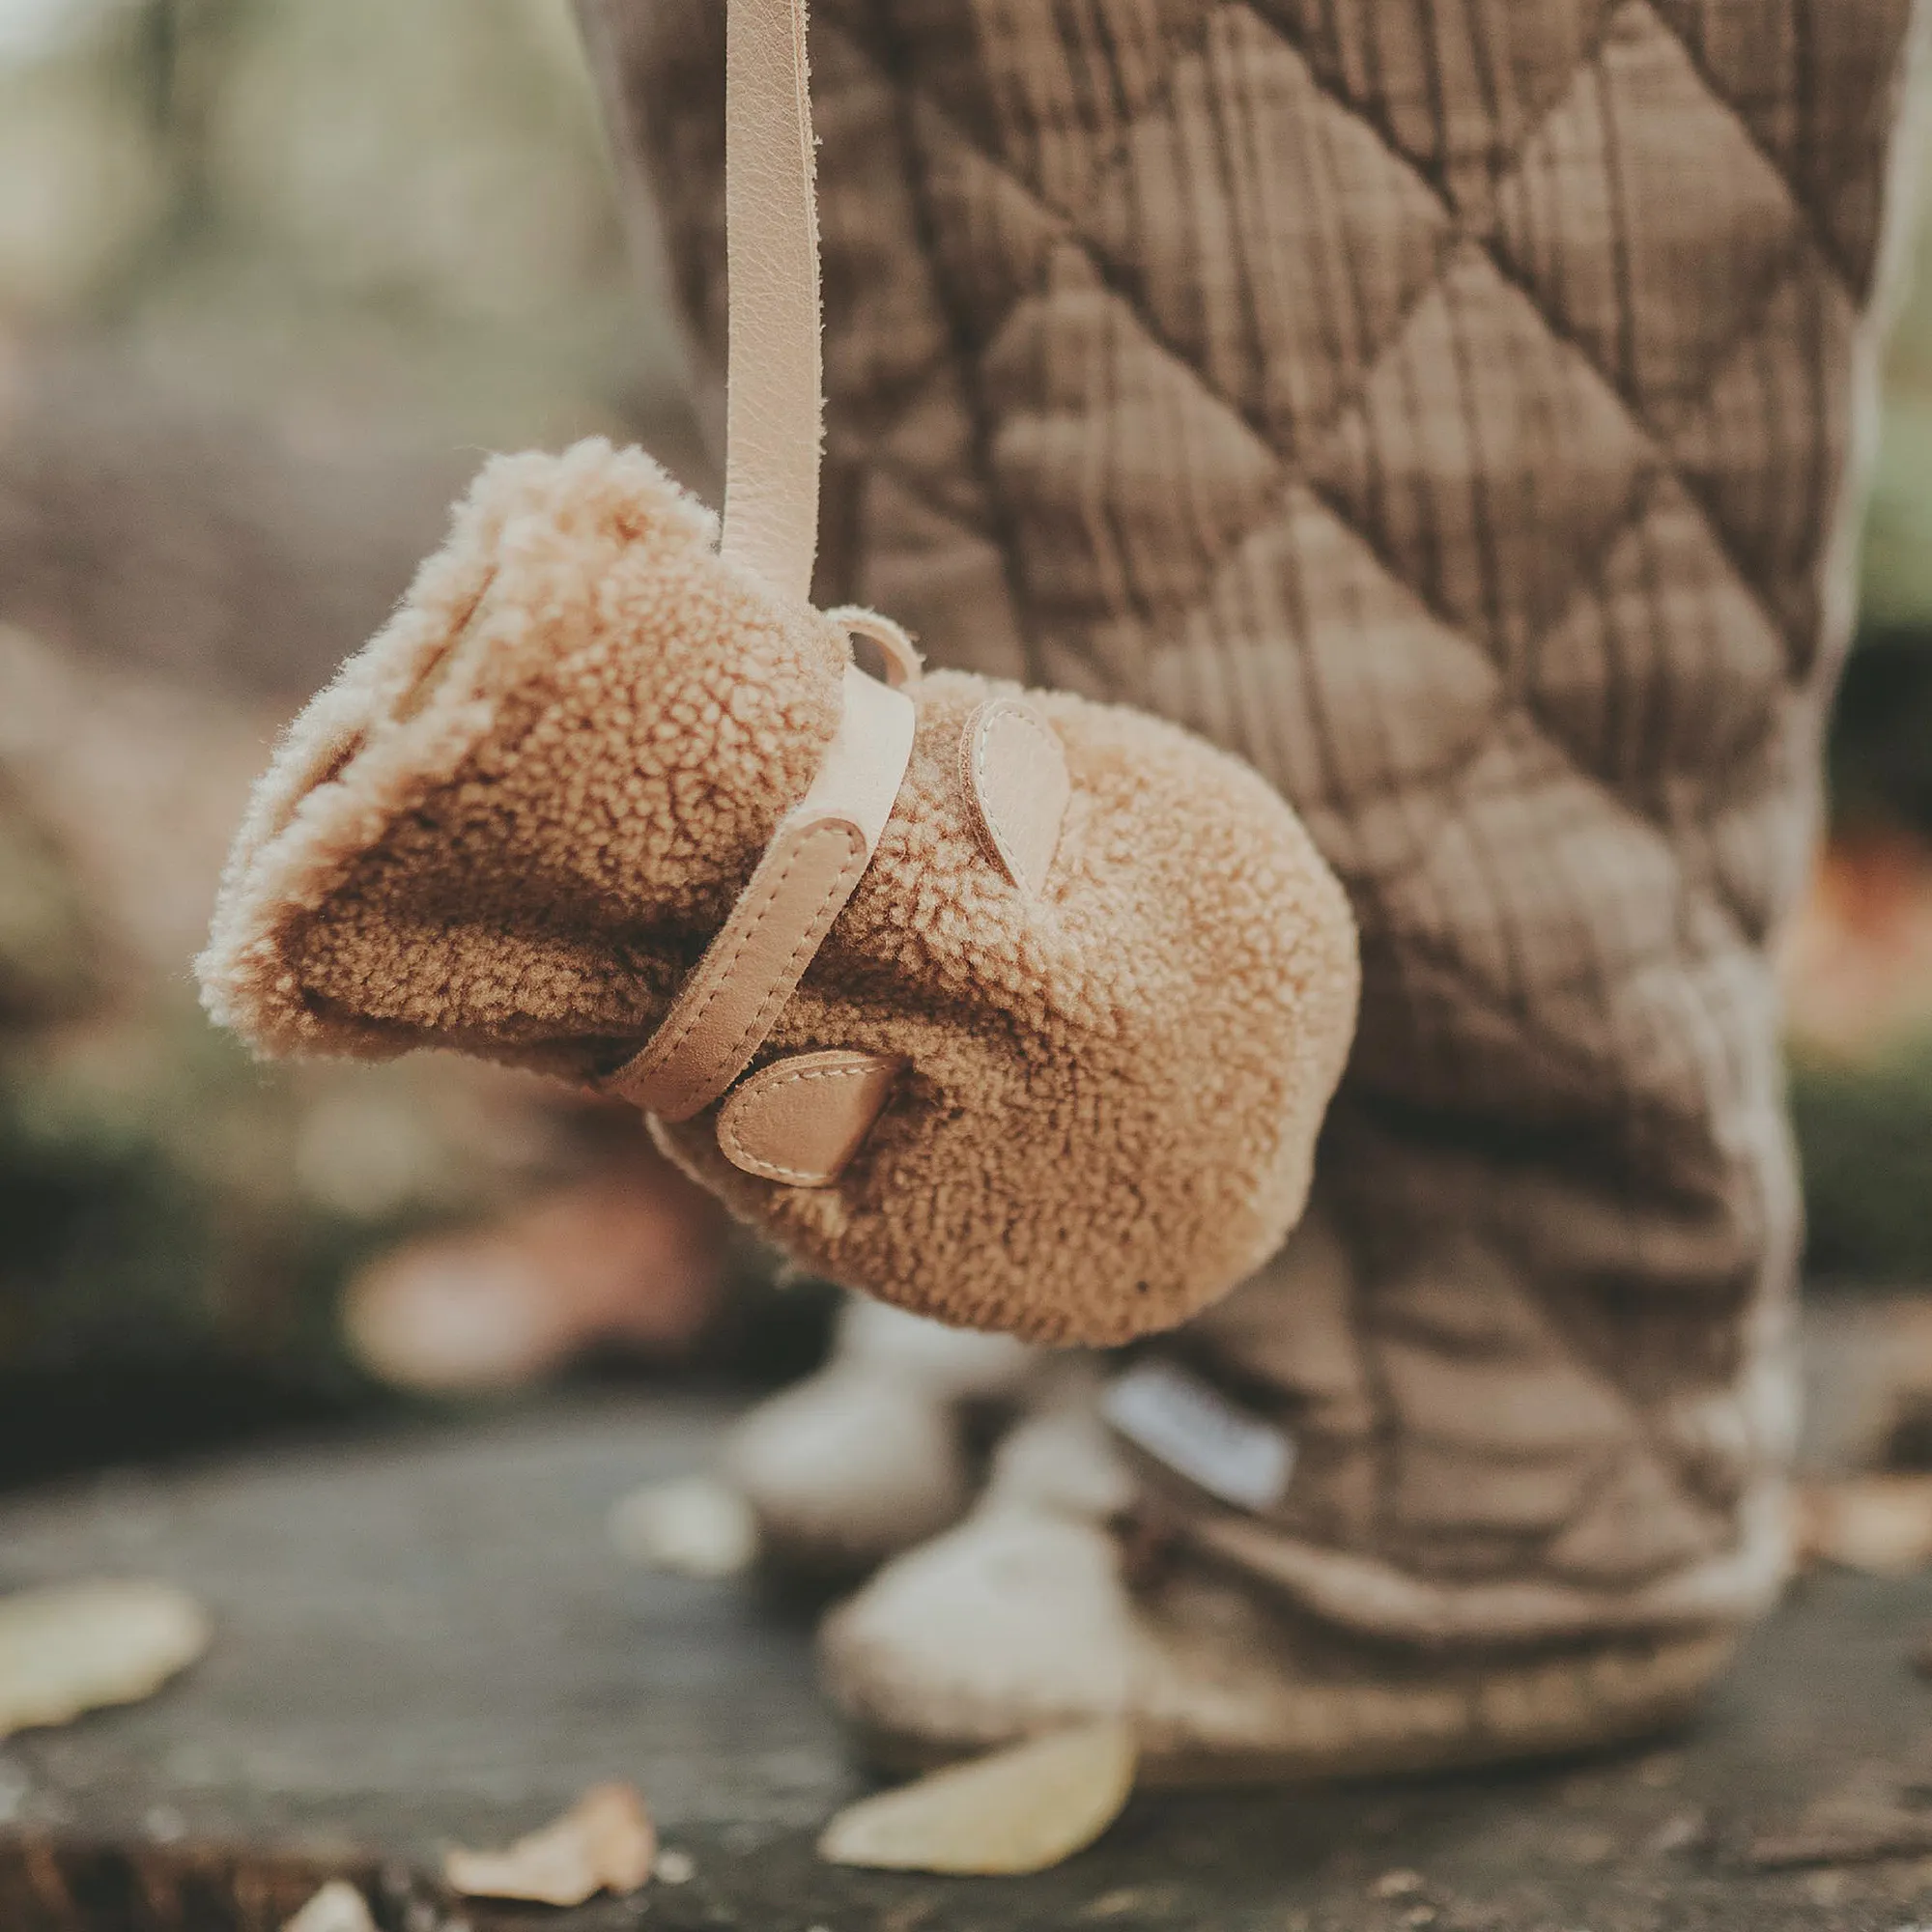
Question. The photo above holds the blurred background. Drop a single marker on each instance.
(273, 275)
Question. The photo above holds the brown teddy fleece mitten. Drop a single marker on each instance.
(1019, 1010)
(1451, 408)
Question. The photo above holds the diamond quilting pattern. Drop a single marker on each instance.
(1110, 447)
(1303, 238)
(1363, 764)
(1454, 85)
(1819, 99)
(1495, 507)
(1538, 383)
(885, 341)
(1701, 668)
(1441, 402)
(1051, 109)
(1594, 221)
(1757, 448)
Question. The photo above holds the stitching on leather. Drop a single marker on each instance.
(668, 1045)
(1003, 708)
(741, 1157)
(829, 909)
(678, 1029)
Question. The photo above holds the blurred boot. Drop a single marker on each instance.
(874, 1452)
(1027, 1618)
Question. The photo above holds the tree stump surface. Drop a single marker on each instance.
(429, 1638)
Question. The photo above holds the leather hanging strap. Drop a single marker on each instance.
(774, 411)
(725, 1009)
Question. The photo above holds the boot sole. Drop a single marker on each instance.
(1681, 1675)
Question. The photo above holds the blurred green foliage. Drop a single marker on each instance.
(1865, 1130)
(358, 206)
(274, 273)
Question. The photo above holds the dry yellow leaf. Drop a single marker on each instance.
(77, 1646)
(695, 1526)
(1881, 1524)
(604, 1842)
(1019, 1811)
(338, 1907)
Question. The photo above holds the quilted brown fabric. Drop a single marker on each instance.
(1450, 405)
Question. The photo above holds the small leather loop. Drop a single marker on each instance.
(904, 666)
(802, 1118)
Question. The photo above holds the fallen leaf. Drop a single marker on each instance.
(695, 1526)
(338, 1907)
(76, 1646)
(1019, 1811)
(1881, 1524)
(604, 1842)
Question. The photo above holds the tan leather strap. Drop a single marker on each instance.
(774, 415)
(725, 1011)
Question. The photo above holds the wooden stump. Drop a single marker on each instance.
(430, 1637)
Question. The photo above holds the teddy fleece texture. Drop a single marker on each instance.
(516, 820)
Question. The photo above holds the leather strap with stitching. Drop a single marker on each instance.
(725, 1009)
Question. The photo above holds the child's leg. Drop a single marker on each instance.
(1452, 406)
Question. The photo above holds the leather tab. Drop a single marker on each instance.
(800, 1119)
(1015, 771)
